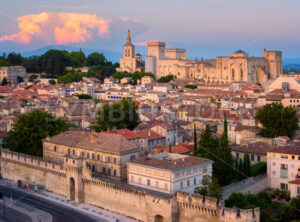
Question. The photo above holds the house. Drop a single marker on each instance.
(169, 172)
(283, 167)
(105, 154)
(257, 151)
(168, 131)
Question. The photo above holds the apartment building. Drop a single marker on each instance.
(169, 172)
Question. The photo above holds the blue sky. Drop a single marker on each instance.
(206, 28)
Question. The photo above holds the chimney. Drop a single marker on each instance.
(92, 137)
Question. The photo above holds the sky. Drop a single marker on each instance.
(206, 28)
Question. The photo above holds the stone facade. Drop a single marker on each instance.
(225, 69)
(11, 73)
(130, 62)
(74, 180)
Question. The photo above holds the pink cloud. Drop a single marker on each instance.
(59, 28)
(144, 43)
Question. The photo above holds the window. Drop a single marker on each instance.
(232, 73)
(54, 148)
(98, 157)
(274, 164)
(93, 156)
(148, 182)
(115, 173)
(108, 171)
(88, 155)
(181, 185)
(108, 159)
(258, 158)
(82, 154)
(166, 186)
(188, 183)
(298, 190)
(293, 157)
(283, 175)
(242, 76)
(104, 170)
(195, 181)
(237, 155)
(283, 186)
(69, 151)
(252, 157)
(298, 157)
(284, 157)
(115, 160)
(73, 152)
(284, 166)
(132, 157)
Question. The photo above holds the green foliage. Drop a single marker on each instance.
(53, 62)
(4, 81)
(195, 140)
(170, 148)
(52, 81)
(84, 96)
(101, 71)
(95, 59)
(207, 144)
(241, 170)
(258, 168)
(20, 79)
(247, 201)
(119, 115)
(190, 86)
(210, 187)
(277, 120)
(247, 165)
(97, 101)
(27, 133)
(69, 78)
(165, 79)
(223, 161)
(78, 59)
(33, 77)
(135, 76)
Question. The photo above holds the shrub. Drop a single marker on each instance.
(191, 86)
(258, 168)
(165, 79)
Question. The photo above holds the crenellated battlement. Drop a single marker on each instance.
(31, 161)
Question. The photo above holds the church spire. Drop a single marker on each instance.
(128, 37)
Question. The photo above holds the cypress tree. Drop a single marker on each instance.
(246, 165)
(241, 169)
(236, 169)
(207, 144)
(195, 140)
(225, 126)
(170, 148)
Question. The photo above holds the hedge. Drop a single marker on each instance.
(258, 168)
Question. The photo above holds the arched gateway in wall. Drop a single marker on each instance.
(72, 189)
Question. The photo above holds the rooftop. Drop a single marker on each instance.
(170, 161)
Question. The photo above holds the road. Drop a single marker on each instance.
(12, 215)
(59, 212)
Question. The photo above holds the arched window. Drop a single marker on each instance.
(242, 74)
(232, 73)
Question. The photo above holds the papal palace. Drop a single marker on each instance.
(224, 69)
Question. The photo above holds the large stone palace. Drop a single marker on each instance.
(224, 69)
(68, 169)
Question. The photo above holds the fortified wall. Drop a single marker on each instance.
(75, 181)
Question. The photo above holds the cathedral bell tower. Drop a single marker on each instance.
(128, 48)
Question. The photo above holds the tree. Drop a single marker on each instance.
(277, 120)
(27, 133)
(210, 188)
(223, 161)
(247, 165)
(33, 77)
(78, 59)
(207, 144)
(84, 96)
(119, 115)
(236, 169)
(20, 79)
(69, 78)
(241, 169)
(195, 140)
(165, 79)
(4, 81)
(170, 148)
(225, 126)
(52, 81)
(95, 59)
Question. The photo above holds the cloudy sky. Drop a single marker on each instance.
(206, 28)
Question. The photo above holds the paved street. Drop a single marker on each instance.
(12, 215)
(59, 212)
